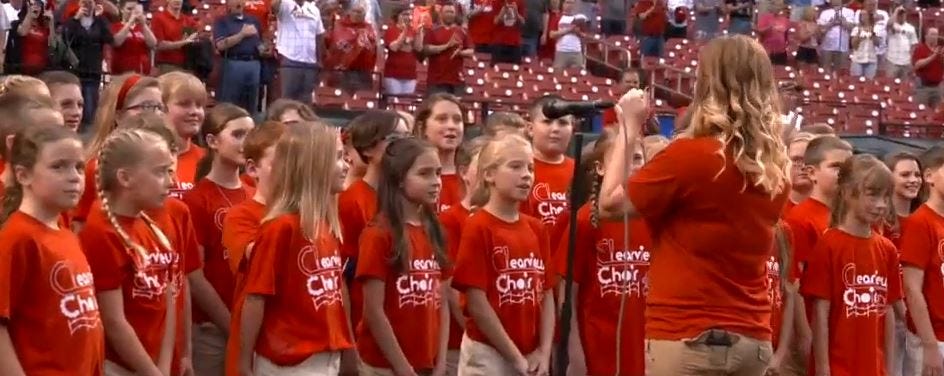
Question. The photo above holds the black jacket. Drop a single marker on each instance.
(88, 45)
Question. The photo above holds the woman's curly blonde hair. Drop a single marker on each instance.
(736, 100)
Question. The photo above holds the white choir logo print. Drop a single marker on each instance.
(550, 204)
(864, 294)
(622, 272)
(151, 281)
(773, 285)
(520, 280)
(420, 285)
(324, 276)
(78, 303)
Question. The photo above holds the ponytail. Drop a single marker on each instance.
(12, 197)
(784, 251)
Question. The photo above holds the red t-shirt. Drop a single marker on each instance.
(240, 230)
(510, 262)
(482, 25)
(655, 24)
(187, 170)
(133, 55)
(933, 73)
(412, 297)
(507, 32)
(89, 194)
(685, 194)
(301, 282)
(143, 288)
(261, 10)
(605, 271)
(443, 67)
(922, 247)
(170, 29)
(808, 221)
(452, 221)
(399, 64)
(47, 300)
(35, 48)
(859, 278)
(209, 203)
(549, 195)
(356, 207)
(451, 193)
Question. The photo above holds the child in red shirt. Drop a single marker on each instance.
(402, 265)
(218, 190)
(293, 317)
(922, 235)
(185, 98)
(50, 316)
(502, 267)
(441, 121)
(852, 277)
(801, 184)
(136, 268)
(907, 173)
(553, 169)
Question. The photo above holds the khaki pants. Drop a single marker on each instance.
(452, 363)
(366, 370)
(745, 357)
(320, 364)
(167, 68)
(113, 369)
(209, 350)
(479, 359)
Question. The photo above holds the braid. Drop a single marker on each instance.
(594, 201)
(785, 250)
(12, 197)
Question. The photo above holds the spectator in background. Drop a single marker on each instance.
(446, 44)
(864, 47)
(401, 64)
(569, 38)
(614, 15)
(837, 22)
(773, 28)
(68, 8)
(708, 14)
(236, 36)
(547, 49)
(301, 34)
(88, 32)
(27, 50)
(679, 13)
(535, 22)
(133, 41)
(928, 60)
(173, 31)
(5, 24)
(742, 15)
(653, 18)
(799, 8)
(808, 36)
(506, 40)
(481, 25)
(902, 39)
(880, 20)
(352, 49)
(66, 90)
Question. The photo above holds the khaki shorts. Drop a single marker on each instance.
(320, 364)
(479, 359)
(744, 357)
(209, 350)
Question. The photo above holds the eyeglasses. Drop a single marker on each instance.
(147, 107)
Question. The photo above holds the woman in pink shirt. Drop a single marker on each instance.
(772, 28)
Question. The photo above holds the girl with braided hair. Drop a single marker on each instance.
(135, 265)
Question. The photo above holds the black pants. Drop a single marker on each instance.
(779, 58)
(506, 54)
(457, 90)
(613, 27)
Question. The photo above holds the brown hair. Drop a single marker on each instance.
(425, 111)
(153, 123)
(27, 146)
(500, 121)
(819, 146)
(590, 180)
(18, 111)
(108, 107)
(859, 175)
(283, 105)
(819, 129)
(891, 161)
(52, 78)
(179, 84)
(261, 138)
(371, 128)
(216, 122)
(933, 158)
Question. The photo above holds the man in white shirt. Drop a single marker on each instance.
(301, 33)
(902, 38)
(837, 23)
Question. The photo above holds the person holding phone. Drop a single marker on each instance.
(87, 33)
(133, 40)
(28, 49)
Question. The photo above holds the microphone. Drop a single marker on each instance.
(559, 108)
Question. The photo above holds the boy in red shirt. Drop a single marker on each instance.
(552, 168)
(506, 41)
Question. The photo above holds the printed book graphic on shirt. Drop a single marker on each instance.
(520, 280)
(864, 294)
(150, 282)
(774, 294)
(550, 203)
(77, 292)
(420, 285)
(622, 272)
(324, 276)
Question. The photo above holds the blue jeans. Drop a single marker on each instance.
(652, 46)
(866, 70)
(90, 91)
(740, 25)
(298, 80)
(239, 84)
(529, 46)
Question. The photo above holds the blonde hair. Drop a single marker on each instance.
(124, 148)
(181, 84)
(736, 99)
(106, 114)
(492, 155)
(303, 155)
(16, 83)
(859, 175)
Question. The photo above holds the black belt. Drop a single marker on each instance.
(242, 57)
